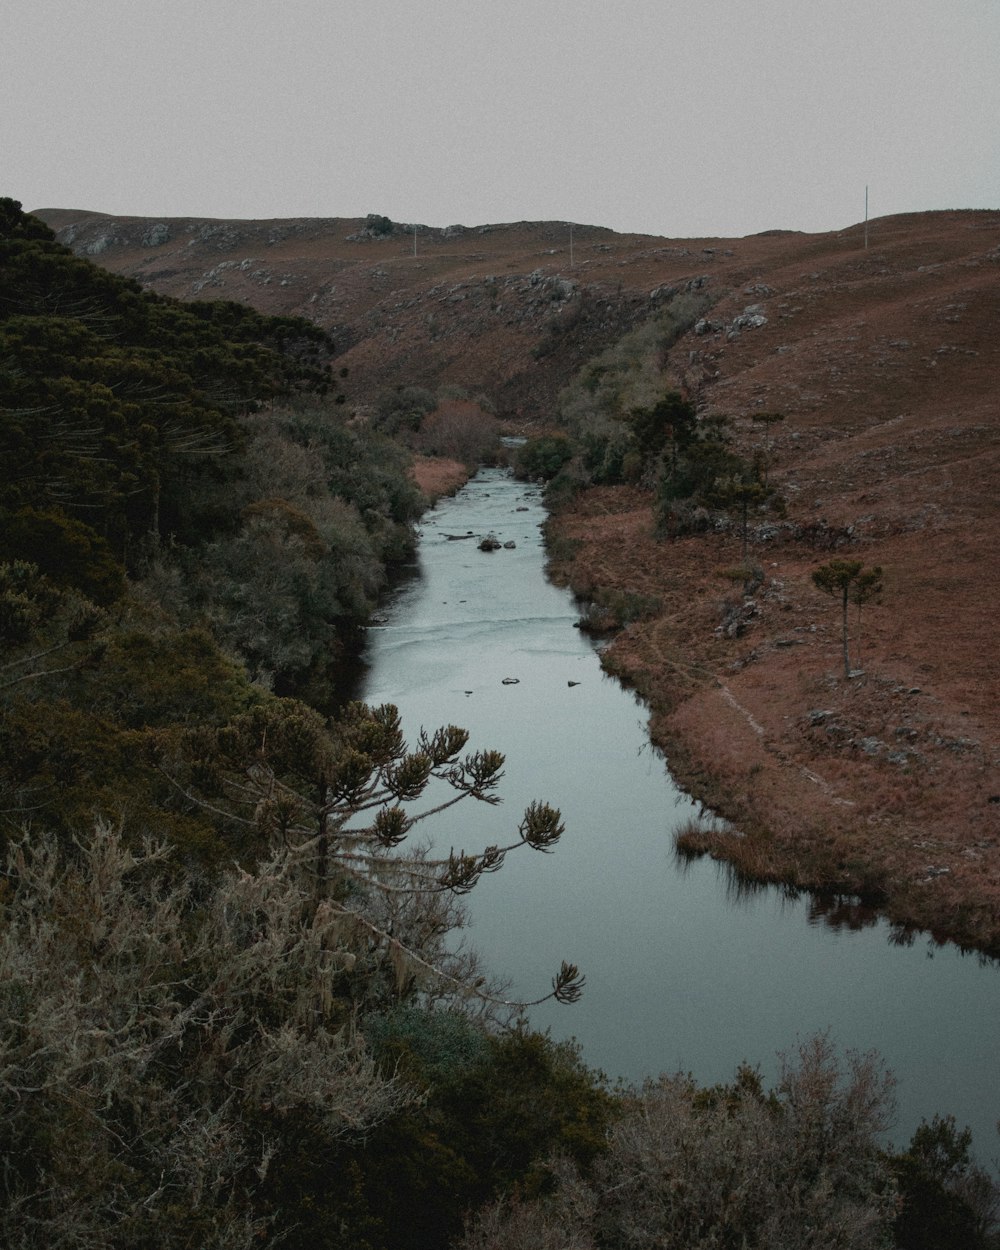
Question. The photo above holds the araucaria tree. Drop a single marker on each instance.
(851, 582)
(343, 801)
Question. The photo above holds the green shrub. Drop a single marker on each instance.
(542, 458)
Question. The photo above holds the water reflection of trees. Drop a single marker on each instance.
(841, 912)
(829, 909)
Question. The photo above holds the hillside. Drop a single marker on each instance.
(506, 309)
(884, 362)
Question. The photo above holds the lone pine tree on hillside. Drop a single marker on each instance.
(846, 579)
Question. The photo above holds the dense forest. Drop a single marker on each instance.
(233, 1010)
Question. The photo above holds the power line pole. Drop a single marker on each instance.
(866, 217)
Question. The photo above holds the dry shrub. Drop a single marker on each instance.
(460, 430)
(561, 1221)
(147, 1027)
(436, 476)
(799, 1167)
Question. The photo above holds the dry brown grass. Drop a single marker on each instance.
(883, 786)
(436, 476)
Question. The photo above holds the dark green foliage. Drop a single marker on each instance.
(702, 475)
(627, 429)
(542, 458)
(400, 411)
(534, 1097)
(69, 553)
(15, 224)
(117, 403)
(301, 350)
(376, 224)
(603, 455)
(128, 440)
(59, 764)
(80, 693)
(303, 564)
(37, 618)
(946, 1201)
(562, 490)
(367, 469)
(498, 1106)
(430, 1046)
(697, 461)
(666, 443)
(163, 679)
(669, 426)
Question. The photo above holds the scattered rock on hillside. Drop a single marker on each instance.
(751, 318)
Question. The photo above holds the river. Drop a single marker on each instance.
(684, 973)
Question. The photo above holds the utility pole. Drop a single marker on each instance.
(571, 245)
(866, 217)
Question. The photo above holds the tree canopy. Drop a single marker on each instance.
(117, 402)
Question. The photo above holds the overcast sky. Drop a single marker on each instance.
(672, 117)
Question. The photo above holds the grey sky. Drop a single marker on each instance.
(663, 116)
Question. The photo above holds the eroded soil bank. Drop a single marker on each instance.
(886, 785)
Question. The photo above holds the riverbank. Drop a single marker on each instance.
(437, 477)
(884, 787)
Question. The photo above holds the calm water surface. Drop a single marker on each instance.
(682, 973)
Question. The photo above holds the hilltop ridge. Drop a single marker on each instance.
(507, 308)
